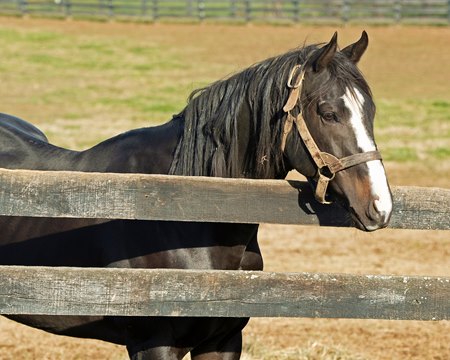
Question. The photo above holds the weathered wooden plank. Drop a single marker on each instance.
(423, 208)
(162, 197)
(140, 292)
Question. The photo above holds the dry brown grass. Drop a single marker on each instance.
(403, 65)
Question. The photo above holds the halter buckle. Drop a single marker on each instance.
(326, 172)
(291, 76)
(324, 176)
(322, 186)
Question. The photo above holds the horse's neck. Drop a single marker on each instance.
(147, 150)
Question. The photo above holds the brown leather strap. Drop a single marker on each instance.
(324, 159)
(321, 188)
(286, 130)
(309, 142)
(335, 165)
(294, 95)
(292, 100)
(327, 164)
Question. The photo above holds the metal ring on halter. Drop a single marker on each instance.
(326, 172)
(291, 75)
(324, 176)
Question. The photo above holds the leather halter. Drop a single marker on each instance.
(327, 164)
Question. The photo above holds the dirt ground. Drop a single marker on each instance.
(300, 248)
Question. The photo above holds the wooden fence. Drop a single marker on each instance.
(169, 292)
(431, 11)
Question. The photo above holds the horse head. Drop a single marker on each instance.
(332, 108)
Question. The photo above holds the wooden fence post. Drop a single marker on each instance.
(397, 11)
(155, 9)
(201, 10)
(233, 9)
(448, 11)
(345, 11)
(190, 8)
(67, 8)
(110, 9)
(248, 10)
(144, 9)
(22, 7)
(296, 4)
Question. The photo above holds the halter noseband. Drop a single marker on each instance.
(327, 164)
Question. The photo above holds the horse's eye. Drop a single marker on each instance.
(330, 116)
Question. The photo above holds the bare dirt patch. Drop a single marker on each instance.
(300, 248)
(296, 248)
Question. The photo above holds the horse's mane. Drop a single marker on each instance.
(210, 144)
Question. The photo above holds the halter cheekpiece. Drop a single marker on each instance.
(327, 164)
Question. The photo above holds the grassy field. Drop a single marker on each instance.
(82, 82)
(71, 77)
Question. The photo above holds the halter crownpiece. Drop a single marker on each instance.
(327, 164)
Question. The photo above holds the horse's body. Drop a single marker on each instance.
(119, 243)
(210, 137)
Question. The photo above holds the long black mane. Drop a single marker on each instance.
(233, 128)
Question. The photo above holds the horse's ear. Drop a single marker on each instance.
(324, 56)
(356, 50)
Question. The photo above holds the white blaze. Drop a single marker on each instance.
(378, 181)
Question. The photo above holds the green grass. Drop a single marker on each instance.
(400, 154)
(76, 76)
(413, 130)
(119, 81)
(440, 153)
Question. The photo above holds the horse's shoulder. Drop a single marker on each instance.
(19, 127)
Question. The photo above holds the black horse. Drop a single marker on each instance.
(238, 127)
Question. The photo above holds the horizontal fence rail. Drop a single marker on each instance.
(167, 197)
(168, 292)
(171, 292)
(240, 10)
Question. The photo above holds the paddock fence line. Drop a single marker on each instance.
(172, 292)
(294, 11)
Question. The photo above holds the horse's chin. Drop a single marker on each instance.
(357, 223)
(363, 225)
(354, 217)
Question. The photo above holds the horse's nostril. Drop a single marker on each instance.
(373, 212)
(376, 204)
(377, 213)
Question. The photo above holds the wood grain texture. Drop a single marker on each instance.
(143, 292)
(163, 197)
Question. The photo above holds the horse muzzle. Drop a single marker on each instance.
(373, 219)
